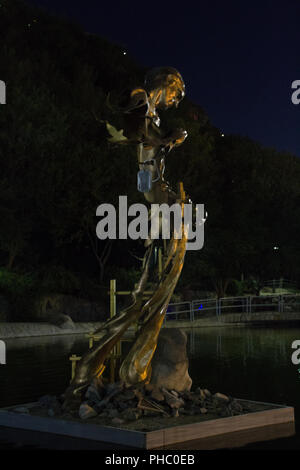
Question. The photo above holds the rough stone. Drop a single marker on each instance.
(224, 413)
(157, 395)
(171, 400)
(150, 413)
(62, 321)
(97, 382)
(149, 387)
(175, 403)
(113, 413)
(187, 411)
(55, 409)
(221, 397)
(109, 406)
(123, 405)
(131, 414)
(48, 401)
(170, 361)
(236, 406)
(117, 421)
(92, 394)
(196, 399)
(126, 395)
(188, 396)
(112, 387)
(201, 393)
(139, 394)
(86, 411)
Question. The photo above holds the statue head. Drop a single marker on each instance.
(166, 86)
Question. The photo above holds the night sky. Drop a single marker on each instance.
(238, 59)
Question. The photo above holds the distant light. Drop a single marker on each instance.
(201, 306)
(124, 53)
(29, 25)
(275, 247)
(222, 135)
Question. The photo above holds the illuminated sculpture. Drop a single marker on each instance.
(164, 88)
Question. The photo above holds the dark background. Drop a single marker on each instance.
(238, 59)
(66, 74)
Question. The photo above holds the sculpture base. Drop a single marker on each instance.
(266, 421)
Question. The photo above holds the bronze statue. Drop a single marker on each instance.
(164, 88)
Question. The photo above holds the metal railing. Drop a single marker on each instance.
(184, 309)
(280, 283)
(205, 307)
(280, 303)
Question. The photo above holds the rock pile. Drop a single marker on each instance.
(119, 404)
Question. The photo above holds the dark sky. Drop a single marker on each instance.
(238, 58)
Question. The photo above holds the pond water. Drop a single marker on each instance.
(251, 363)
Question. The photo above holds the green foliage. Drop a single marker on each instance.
(57, 279)
(126, 278)
(240, 288)
(20, 291)
(12, 283)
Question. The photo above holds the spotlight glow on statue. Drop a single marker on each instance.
(164, 88)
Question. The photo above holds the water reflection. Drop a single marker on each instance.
(252, 363)
(36, 366)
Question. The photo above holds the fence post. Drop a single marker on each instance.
(191, 312)
(280, 304)
(218, 306)
(112, 292)
(113, 310)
